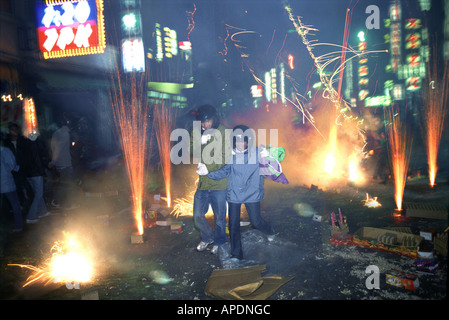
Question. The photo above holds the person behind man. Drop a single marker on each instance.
(35, 162)
(245, 186)
(210, 192)
(16, 142)
(8, 187)
(61, 160)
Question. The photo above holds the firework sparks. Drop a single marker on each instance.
(163, 123)
(371, 202)
(130, 114)
(435, 111)
(399, 152)
(69, 263)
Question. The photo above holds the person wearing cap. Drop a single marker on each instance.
(34, 166)
(245, 186)
(210, 192)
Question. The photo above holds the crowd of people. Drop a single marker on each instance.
(223, 185)
(26, 161)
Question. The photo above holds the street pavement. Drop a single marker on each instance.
(166, 266)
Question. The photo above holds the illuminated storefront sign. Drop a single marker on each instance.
(133, 55)
(378, 101)
(70, 28)
(268, 86)
(273, 86)
(395, 35)
(185, 45)
(256, 91)
(167, 43)
(363, 69)
(413, 83)
(398, 92)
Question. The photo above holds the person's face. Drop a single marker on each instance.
(207, 124)
(13, 132)
(240, 145)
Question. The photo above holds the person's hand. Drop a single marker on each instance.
(202, 169)
(264, 153)
(205, 138)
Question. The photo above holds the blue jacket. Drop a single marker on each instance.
(245, 184)
(8, 164)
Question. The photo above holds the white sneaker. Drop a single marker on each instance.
(214, 250)
(46, 214)
(244, 223)
(32, 221)
(203, 245)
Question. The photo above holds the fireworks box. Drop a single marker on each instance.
(426, 210)
(149, 218)
(405, 244)
(176, 227)
(401, 279)
(137, 238)
(441, 243)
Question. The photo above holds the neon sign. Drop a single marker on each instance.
(70, 27)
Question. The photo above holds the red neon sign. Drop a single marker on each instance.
(70, 27)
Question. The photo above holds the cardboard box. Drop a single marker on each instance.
(176, 227)
(405, 244)
(137, 238)
(401, 279)
(441, 243)
(426, 210)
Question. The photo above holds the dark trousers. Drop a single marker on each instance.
(253, 209)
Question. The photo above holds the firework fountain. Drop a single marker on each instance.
(163, 124)
(435, 111)
(399, 153)
(130, 114)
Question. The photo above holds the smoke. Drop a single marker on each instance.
(305, 145)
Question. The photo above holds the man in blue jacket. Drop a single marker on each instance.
(245, 186)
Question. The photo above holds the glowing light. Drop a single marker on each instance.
(30, 119)
(130, 115)
(330, 160)
(399, 153)
(184, 206)
(71, 28)
(354, 174)
(163, 123)
(69, 262)
(435, 111)
(371, 202)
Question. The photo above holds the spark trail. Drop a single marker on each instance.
(163, 124)
(130, 115)
(435, 111)
(399, 152)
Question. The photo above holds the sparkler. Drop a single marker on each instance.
(435, 111)
(399, 153)
(130, 114)
(69, 263)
